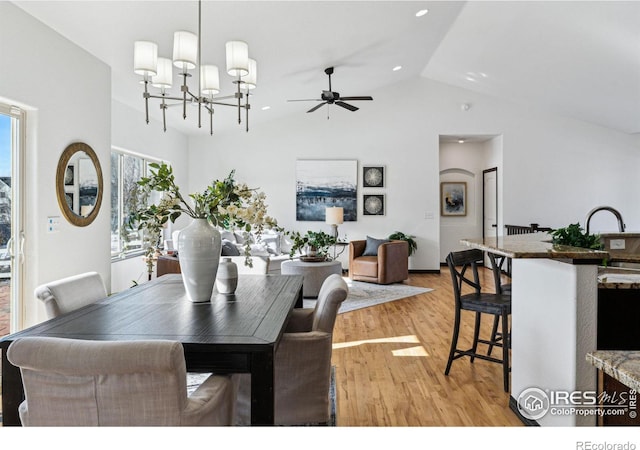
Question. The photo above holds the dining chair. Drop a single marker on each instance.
(72, 382)
(498, 305)
(68, 294)
(302, 363)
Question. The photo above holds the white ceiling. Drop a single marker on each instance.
(579, 59)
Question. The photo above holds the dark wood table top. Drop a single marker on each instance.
(237, 333)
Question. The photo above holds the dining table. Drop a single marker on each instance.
(236, 333)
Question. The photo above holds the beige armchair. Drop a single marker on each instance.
(69, 382)
(302, 363)
(68, 294)
(389, 264)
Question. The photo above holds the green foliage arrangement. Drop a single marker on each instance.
(316, 240)
(574, 236)
(400, 236)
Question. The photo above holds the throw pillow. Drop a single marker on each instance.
(371, 248)
(227, 235)
(229, 248)
(259, 250)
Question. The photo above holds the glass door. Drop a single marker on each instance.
(11, 234)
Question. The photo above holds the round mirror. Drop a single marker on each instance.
(79, 184)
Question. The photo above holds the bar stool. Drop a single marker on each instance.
(498, 305)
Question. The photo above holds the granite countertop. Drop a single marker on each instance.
(623, 365)
(534, 245)
(618, 278)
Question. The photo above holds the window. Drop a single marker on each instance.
(126, 170)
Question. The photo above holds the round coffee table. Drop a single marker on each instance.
(314, 274)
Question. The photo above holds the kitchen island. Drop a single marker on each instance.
(554, 316)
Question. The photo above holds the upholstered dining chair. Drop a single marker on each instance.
(70, 382)
(380, 261)
(497, 305)
(302, 362)
(68, 294)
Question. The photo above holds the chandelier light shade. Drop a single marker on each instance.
(251, 79)
(145, 58)
(158, 72)
(237, 58)
(164, 78)
(185, 50)
(209, 80)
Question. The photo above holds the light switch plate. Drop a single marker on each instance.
(53, 224)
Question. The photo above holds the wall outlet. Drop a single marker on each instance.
(616, 244)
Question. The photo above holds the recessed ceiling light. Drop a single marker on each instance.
(396, 68)
(460, 141)
(422, 12)
(264, 108)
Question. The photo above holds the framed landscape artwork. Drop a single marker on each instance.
(323, 183)
(453, 198)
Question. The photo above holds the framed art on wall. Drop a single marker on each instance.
(373, 176)
(373, 205)
(453, 198)
(324, 183)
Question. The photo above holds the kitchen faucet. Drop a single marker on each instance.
(614, 211)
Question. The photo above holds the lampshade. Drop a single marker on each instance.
(164, 78)
(145, 58)
(334, 215)
(237, 58)
(250, 80)
(209, 80)
(185, 49)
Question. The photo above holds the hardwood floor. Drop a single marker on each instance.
(390, 362)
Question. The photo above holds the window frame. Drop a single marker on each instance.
(121, 254)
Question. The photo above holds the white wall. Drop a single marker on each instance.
(67, 94)
(554, 169)
(130, 132)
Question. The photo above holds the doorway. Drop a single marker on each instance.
(490, 202)
(11, 232)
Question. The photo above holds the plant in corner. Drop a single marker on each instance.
(574, 236)
(400, 236)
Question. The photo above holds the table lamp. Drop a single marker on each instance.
(334, 216)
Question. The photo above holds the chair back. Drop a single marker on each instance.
(463, 266)
(68, 294)
(332, 293)
(69, 382)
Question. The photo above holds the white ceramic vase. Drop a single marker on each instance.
(199, 247)
(227, 280)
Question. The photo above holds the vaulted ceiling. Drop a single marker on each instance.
(579, 59)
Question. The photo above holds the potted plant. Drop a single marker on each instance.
(400, 236)
(574, 236)
(316, 242)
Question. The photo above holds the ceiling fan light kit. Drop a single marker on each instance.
(158, 72)
(333, 98)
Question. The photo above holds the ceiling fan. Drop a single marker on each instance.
(333, 98)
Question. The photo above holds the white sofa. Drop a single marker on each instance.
(266, 254)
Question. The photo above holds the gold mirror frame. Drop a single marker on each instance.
(66, 156)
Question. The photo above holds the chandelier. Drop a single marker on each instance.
(158, 72)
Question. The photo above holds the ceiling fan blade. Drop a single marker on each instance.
(316, 107)
(307, 100)
(347, 106)
(356, 98)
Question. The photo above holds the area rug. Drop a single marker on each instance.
(363, 295)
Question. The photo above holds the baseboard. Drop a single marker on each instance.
(424, 271)
(513, 406)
